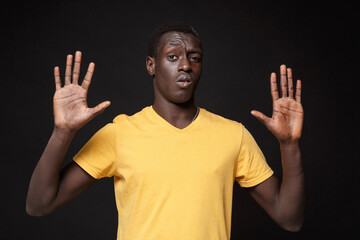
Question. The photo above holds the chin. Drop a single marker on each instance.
(183, 99)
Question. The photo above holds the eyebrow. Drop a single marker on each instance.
(174, 44)
(196, 51)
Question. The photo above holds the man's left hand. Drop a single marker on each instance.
(287, 117)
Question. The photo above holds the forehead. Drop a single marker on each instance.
(177, 39)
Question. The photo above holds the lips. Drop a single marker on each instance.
(183, 81)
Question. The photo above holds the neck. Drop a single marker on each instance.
(178, 115)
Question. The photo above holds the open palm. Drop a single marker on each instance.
(70, 101)
(287, 117)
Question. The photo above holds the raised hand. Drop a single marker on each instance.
(287, 117)
(70, 101)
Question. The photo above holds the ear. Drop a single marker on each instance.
(150, 65)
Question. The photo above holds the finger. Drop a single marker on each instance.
(87, 80)
(274, 88)
(69, 59)
(290, 83)
(76, 70)
(99, 108)
(283, 81)
(261, 117)
(298, 91)
(57, 78)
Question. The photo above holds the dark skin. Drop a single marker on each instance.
(178, 54)
(50, 187)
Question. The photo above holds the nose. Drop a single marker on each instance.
(184, 65)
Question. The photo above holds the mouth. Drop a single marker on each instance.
(183, 81)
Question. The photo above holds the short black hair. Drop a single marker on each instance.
(155, 36)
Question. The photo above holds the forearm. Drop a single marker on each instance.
(45, 180)
(291, 200)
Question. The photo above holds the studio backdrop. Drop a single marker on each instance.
(243, 42)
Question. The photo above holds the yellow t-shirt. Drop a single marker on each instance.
(173, 183)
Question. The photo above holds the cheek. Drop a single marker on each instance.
(166, 72)
(197, 69)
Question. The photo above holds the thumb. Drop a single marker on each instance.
(99, 108)
(261, 117)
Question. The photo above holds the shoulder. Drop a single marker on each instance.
(138, 119)
(221, 125)
(215, 119)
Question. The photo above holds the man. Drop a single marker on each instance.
(174, 164)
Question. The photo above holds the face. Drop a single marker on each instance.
(177, 67)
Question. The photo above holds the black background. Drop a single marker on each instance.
(244, 41)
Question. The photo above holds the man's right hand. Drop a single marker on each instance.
(70, 101)
(50, 187)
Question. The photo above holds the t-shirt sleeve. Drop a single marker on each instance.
(252, 167)
(98, 155)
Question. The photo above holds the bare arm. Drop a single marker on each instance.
(50, 187)
(285, 201)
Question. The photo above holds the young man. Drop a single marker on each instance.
(174, 164)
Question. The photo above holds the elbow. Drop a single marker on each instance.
(36, 210)
(33, 211)
(292, 226)
(291, 221)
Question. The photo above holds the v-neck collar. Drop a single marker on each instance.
(170, 126)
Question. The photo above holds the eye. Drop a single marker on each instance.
(195, 59)
(172, 57)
